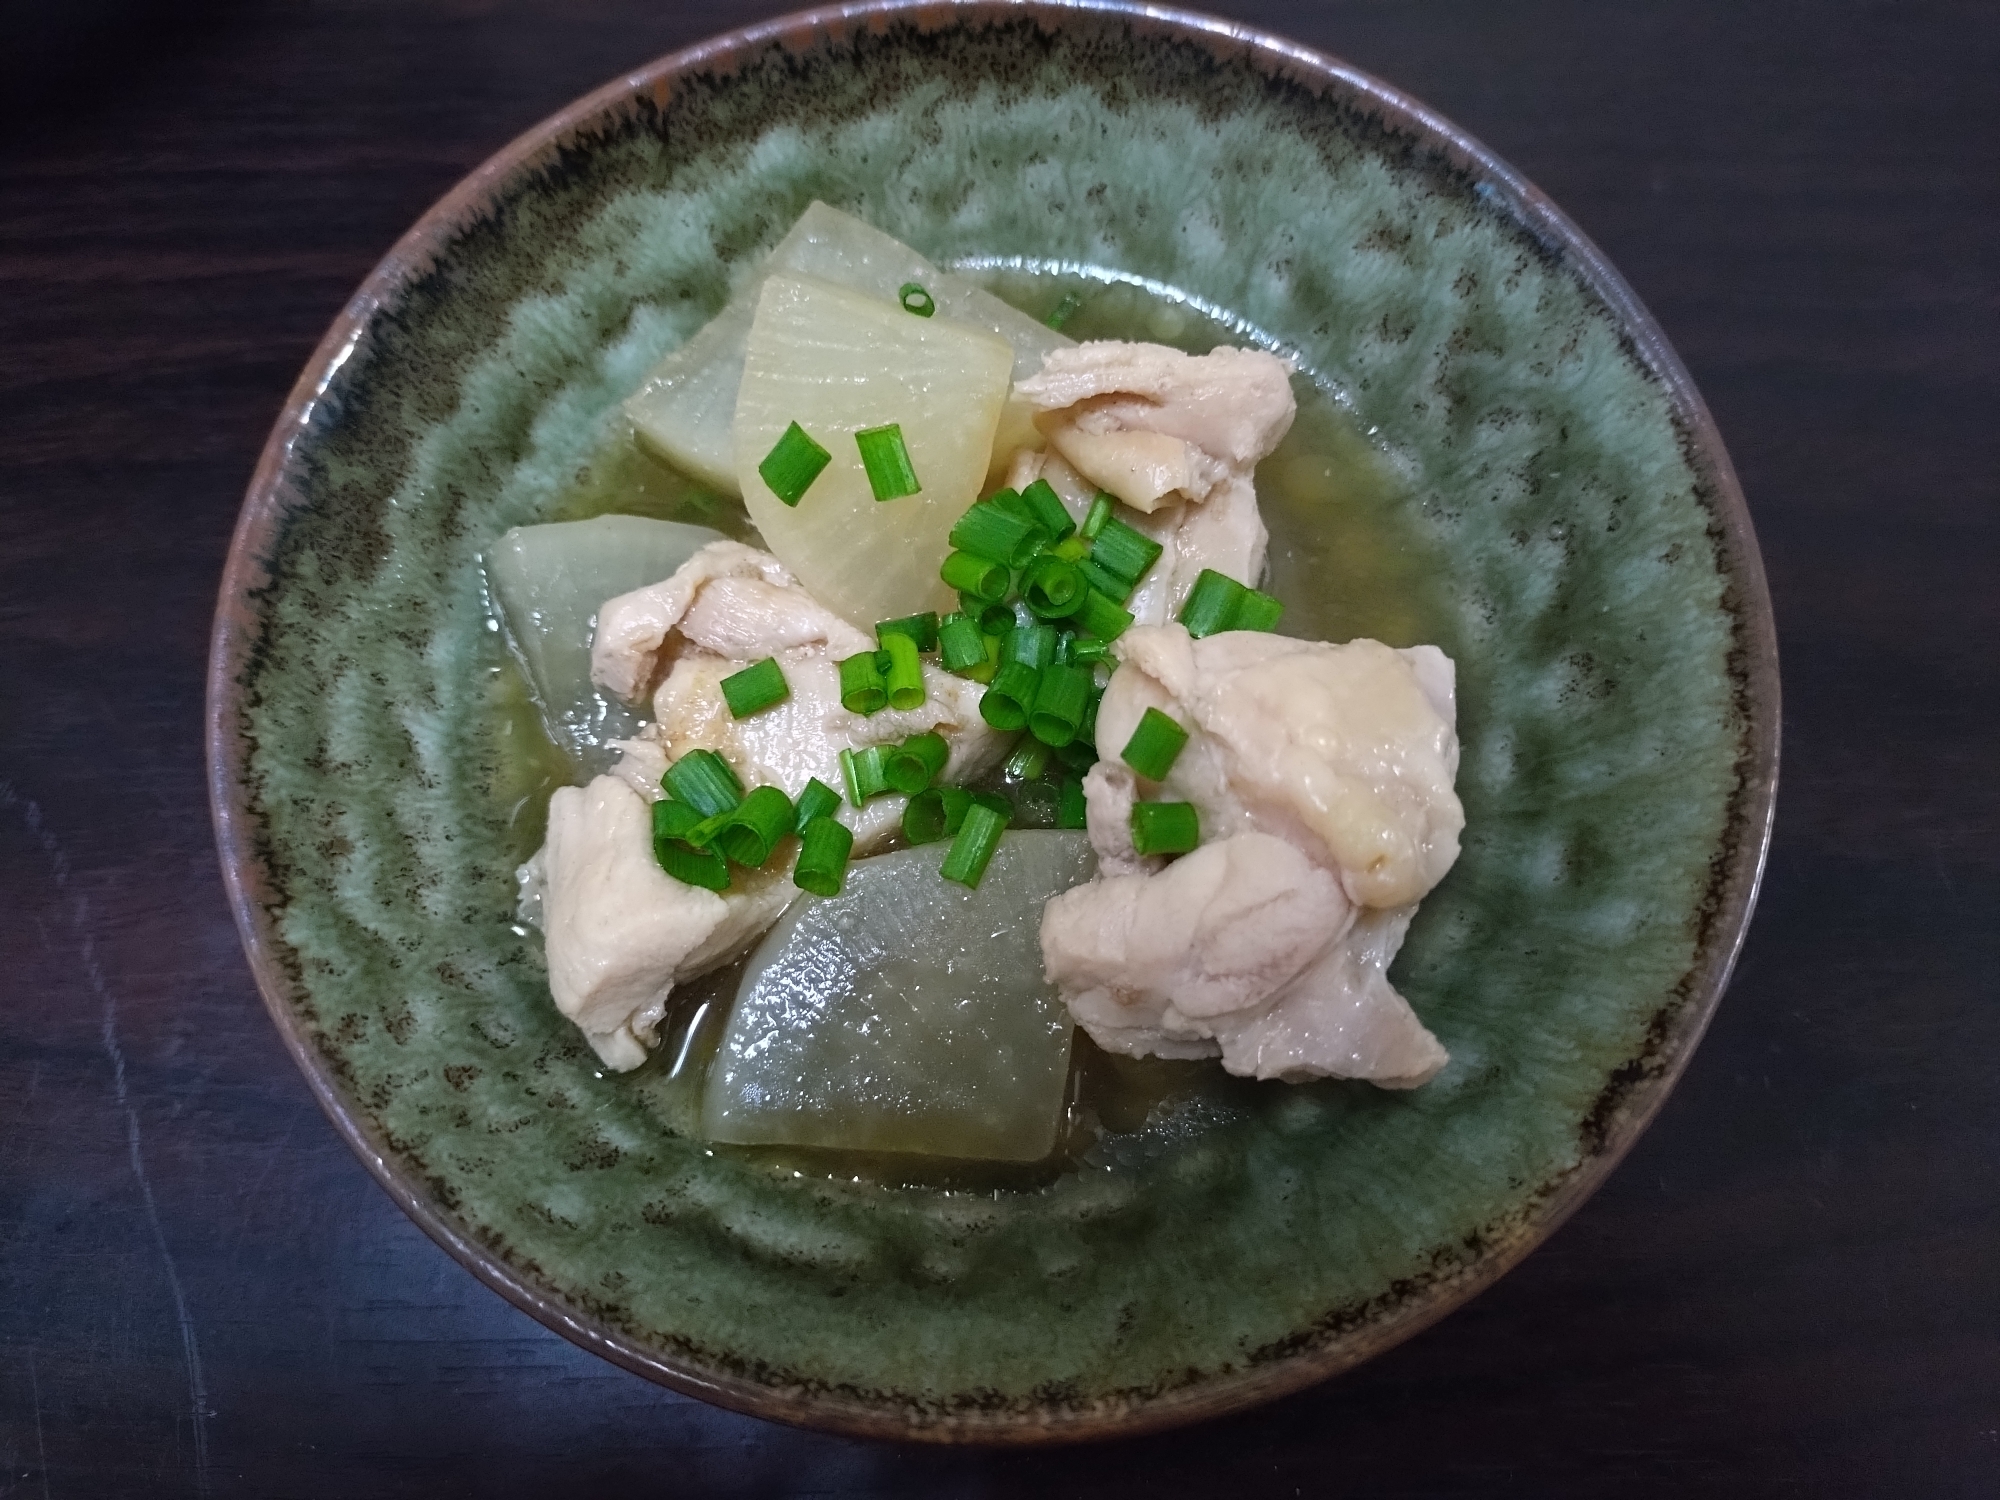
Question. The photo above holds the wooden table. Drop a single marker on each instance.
(1791, 1287)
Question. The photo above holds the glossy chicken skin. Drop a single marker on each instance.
(1322, 776)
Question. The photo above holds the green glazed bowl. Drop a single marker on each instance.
(1594, 572)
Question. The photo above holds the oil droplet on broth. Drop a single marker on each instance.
(1348, 559)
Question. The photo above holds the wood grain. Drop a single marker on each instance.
(1792, 1286)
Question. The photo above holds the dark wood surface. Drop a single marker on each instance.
(1791, 1287)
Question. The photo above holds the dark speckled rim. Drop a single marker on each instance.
(1634, 1093)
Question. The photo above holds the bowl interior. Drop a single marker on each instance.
(377, 778)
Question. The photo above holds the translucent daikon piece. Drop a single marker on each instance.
(547, 583)
(686, 405)
(907, 1013)
(837, 362)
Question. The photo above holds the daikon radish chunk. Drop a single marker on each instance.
(547, 583)
(837, 362)
(686, 405)
(908, 1013)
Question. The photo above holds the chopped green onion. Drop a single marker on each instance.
(691, 866)
(935, 814)
(921, 628)
(1053, 588)
(972, 849)
(1029, 760)
(755, 688)
(990, 615)
(1072, 809)
(984, 670)
(1011, 502)
(1155, 745)
(1106, 582)
(913, 765)
(1256, 610)
(1098, 616)
(1065, 644)
(988, 530)
(1087, 730)
(1080, 754)
(887, 462)
(1060, 700)
(916, 300)
(702, 779)
(960, 644)
(1164, 827)
(702, 835)
(1065, 310)
(1046, 506)
(905, 676)
(1099, 513)
(1071, 549)
(755, 828)
(823, 851)
(1088, 650)
(791, 467)
(672, 822)
(978, 576)
(1033, 645)
(861, 771)
(1006, 702)
(1124, 550)
(862, 690)
(818, 800)
(1211, 604)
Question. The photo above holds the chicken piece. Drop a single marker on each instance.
(1244, 949)
(620, 932)
(1342, 1018)
(632, 629)
(1155, 426)
(1109, 790)
(1217, 932)
(1348, 751)
(1323, 778)
(1029, 464)
(1175, 436)
(732, 605)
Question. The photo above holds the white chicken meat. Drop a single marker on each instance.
(1322, 776)
(732, 605)
(620, 932)
(1176, 437)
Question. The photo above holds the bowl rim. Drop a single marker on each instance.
(1735, 874)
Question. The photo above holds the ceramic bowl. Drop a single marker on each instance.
(1598, 583)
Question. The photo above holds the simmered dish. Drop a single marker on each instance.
(994, 737)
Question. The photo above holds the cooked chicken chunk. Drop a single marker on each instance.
(1175, 436)
(620, 932)
(1348, 751)
(729, 606)
(1217, 932)
(1323, 778)
(632, 630)
(1246, 949)
(1155, 426)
